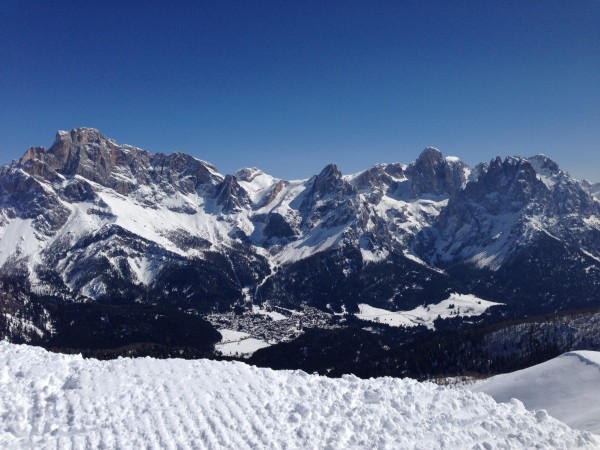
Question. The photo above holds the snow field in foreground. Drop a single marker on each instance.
(568, 387)
(58, 401)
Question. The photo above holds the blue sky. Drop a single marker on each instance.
(290, 86)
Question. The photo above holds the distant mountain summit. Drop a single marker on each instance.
(91, 221)
(595, 190)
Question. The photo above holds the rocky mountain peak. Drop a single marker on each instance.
(379, 177)
(178, 171)
(330, 171)
(83, 150)
(89, 154)
(231, 196)
(477, 171)
(543, 165)
(433, 174)
(82, 135)
(511, 166)
(513, 180)
(248, 174)
(431, 156)
(327, 180)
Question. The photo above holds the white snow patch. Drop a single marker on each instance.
(258, 185)
(568, 387)
(542, 166)
(592, 221)
(50, 401)
(20, 325)
(488, 259)
(590, 254)
(237, 343)
(457, 305)
(272, 314)
(407, 217)
(549, 181)
(320, 239)
(18, 239)
(369, 256)
(143, 268)
(418, 260)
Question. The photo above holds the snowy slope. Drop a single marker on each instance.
(568, 387)
(57, 401)
(457, 305)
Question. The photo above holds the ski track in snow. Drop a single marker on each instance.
(50, 401)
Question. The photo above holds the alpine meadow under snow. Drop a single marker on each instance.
(50, 401)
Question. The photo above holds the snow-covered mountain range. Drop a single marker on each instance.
(91, 220)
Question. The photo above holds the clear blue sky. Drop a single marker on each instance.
(290, 86)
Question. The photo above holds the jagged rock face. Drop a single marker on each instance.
(327, 185)
(433, 174)
(273, 193)
(79, 191)
(86, 153)
(543, 165)
(506, 186)
(378, 179)
(184, 172)
(93, 219)
(502, 208)
(231, 196)
(328, 200)
(328, 182)
(26, 198)
(504, 225)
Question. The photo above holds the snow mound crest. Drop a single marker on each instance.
(566, 387)
(58, 401)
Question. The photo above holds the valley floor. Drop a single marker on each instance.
(52, 400)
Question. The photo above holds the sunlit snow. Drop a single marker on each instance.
(568, 387)
(50, 401)
(238, 343)
(457, 305)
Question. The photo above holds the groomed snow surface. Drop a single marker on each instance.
(57, 401)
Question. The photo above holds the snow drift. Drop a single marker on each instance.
(57, 401)
(568, 387)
